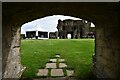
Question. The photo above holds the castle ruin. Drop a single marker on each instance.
(77, 29)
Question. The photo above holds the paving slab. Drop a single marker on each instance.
(53, 60)
(58, 56)
(49, 78)
(51, 65)
(61, 60)
(70, 72)
(57, 72)
(62, 65)
(42, 72)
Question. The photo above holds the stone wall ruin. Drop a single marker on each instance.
(77, 28)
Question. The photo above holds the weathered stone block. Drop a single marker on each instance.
(13, 60)
(62, 65)
(107, 63)
(99, 50)
(101, 60)
(0, 49)
(109, 73)
(70, 72)
(61, 60)
(116, 55)
(99, 65)
(51, 65)
(57, 72)
(108, 53)
(42, 72)
(98, 70)
(58, 56)
(53, 60)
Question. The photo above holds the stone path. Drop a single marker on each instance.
(51, 65)
(57, 72)
(55, 68)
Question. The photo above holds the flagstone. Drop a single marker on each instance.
(62, 65)
(57, 72)
(42, 72)
(56, 66)
(70, 72)
(61, 60)
(51, 65)
(58, 56)
(53, 60)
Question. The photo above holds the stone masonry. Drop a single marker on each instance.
(77, 28)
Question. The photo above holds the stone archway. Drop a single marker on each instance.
(104, 15)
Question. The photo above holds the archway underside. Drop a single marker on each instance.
(104, 15)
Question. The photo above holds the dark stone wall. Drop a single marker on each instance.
(107, 51)
(104, 15)
(53, 35)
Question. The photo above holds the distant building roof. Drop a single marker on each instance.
(37, 28)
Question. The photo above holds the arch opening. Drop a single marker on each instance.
(58, 38)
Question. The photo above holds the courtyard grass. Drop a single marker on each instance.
(77, 53)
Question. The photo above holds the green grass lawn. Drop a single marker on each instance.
(76, 52)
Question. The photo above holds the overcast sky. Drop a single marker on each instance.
(48, 23)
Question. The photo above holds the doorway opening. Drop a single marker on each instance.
(69, 36)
